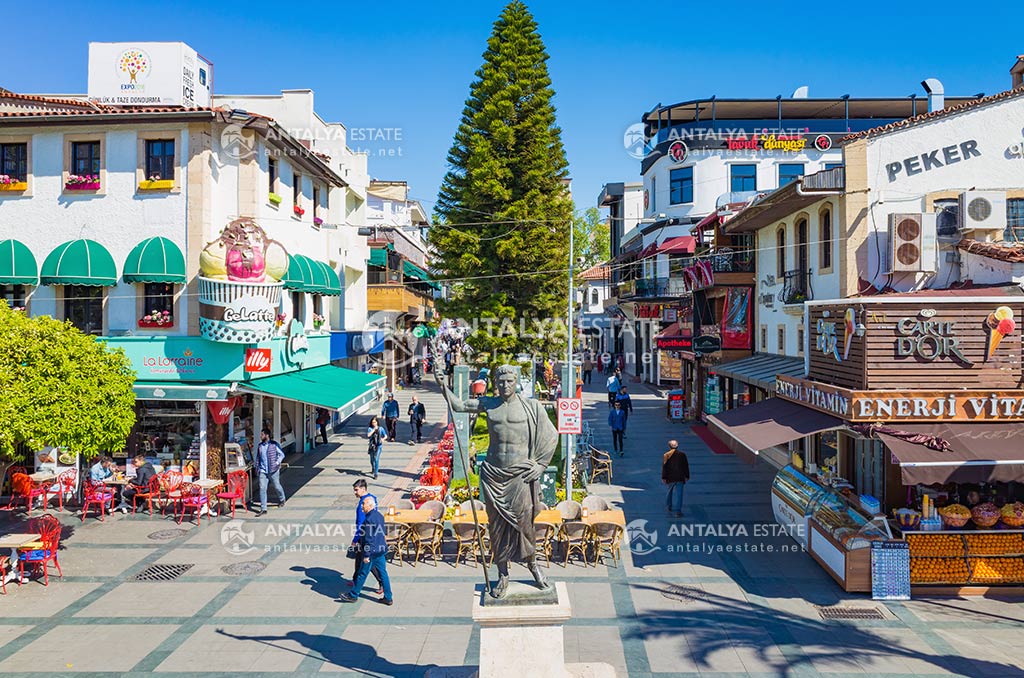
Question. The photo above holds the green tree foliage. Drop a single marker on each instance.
(60, 387)
(592, 238)
(503, 207)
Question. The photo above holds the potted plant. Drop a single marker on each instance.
(317, 221)
(155, 183)
(274, 198)
(318, 321)
(9, 183)
(82, 182)
(157, 319)
(298, 210)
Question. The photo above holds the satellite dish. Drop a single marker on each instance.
(800, 92)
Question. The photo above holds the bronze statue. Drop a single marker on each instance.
(522, 442)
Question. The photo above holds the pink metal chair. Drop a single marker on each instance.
(98, 494)
(66, 481)
(170, 489)
(193, 498)
(237, 482)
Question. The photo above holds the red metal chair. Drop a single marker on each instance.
(67, 480)
(49, 528)
(170, 489)
(193, 498)
(9, 480)
(98, 493)
(23, 487)
(147, 494)
(5, 567)
(237, 482)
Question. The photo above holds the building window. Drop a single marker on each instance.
(800, 341)
(297, 311)
(14, 161)
(654, 193)
(680, 185)
(85, 158)
(272, 175)
(594, 298)
(14, 295)
(83, 306)
(833, 165)
(1014, 219)
(764, 338)
(790, 172)
(743, 178)
(158, 300)
(780, 253)
(318, 305)
(947, 219)
(825, 221)
(160, 158)
(297, 190)
(316, 201)
(782, 339)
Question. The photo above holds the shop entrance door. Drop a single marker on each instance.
(868, 468)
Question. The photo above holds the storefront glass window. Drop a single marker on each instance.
(159, 299)
(166, 428)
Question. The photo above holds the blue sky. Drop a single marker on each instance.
(408, 65)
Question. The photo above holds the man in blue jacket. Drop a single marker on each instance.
(617, 422)
(373, 549)
(390, 414)
(269, 456)
(361, 491)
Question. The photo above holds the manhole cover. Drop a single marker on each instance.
(683, 594)
(163, 572)
(165, 535)
(840, 612)
(246, 568)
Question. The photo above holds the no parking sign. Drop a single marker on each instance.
(570, 415)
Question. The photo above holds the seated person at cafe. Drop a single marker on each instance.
(144, 472)
(102, 470)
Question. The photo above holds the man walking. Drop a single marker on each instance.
(627, 406)
(588, 368)
(614, 385)
(417, 415)
(269, 456)
(390, 414)
(617, 422)
(322, 419)
(675, 471)
(361, 492)
(373, 551)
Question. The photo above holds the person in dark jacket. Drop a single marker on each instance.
(417, 415)
(144, 472)
(390, 413)
(627, 406)
(675, 471)
(617, 422)
(373, 549)
(322, 419)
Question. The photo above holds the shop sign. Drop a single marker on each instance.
(186, 363)
(669, 315)
(928, 339)
(648, 310)
(788, 143)
(677, 151)
(706, 343)
(674, 343)
(938, 406)
(934, 159)
(827, 339)
(821, 397)
(257, 360)
(297, 346)
(670, 367)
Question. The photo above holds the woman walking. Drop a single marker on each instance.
(376, 435)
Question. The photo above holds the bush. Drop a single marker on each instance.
(577, 495)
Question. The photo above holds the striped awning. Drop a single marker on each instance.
(17, 265)
(155, 260)
(79, 262)
(760, 369)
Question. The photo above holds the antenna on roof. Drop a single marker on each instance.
(800, 92)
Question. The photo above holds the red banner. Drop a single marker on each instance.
(736, 319)
(221, 410)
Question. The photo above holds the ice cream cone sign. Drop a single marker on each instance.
(849, 329)
(1000, 323)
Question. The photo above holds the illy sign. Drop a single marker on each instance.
(257, 360)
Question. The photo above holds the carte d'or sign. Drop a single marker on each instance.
(904, 406)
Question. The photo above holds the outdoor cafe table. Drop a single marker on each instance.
(42, 476)
(409, 516)
(551, 516)
(209, 485)
(14, 542)
(614, 516)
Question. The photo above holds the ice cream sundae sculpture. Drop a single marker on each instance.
(849, 329)
(240, 284)
(1000, 323)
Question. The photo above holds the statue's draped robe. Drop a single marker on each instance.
(513, 504)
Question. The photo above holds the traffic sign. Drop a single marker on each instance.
(570, 415)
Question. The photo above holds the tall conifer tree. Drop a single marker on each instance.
(504, 211)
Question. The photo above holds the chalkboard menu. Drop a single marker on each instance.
(890, 570)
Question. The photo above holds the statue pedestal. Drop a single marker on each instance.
(519, 639)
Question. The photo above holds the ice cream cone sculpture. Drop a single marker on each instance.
(849, 328)
(1000, 323)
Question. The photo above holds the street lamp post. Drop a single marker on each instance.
(569, 377)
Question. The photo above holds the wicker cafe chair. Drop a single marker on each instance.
(464, 507)
(396, 535)
(468, 544)
(402, 505)
(574, 536)
(544, 539)
(600, 464)
(593, 503)
(425, 538)
(570, 510)
(606, 538)
(436, 508)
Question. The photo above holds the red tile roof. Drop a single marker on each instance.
(8, 94)
(599, 272)
(1011, 253)
(933, 115)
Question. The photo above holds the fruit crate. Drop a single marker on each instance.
(994, 545)
(996, 570)
(936, 545)
(939, 570)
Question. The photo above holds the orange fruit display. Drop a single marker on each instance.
(997, 570)
(994, 544)
(935, 545)
(938, 571)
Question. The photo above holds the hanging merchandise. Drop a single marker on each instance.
(712, 395)
(736, 319)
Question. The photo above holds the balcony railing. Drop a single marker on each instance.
(728, 260)
(796, 288)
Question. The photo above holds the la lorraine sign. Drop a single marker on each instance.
(570, 415)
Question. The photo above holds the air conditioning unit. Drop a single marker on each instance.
(982, 211)
(911, 243)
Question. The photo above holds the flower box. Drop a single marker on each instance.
(150, 324)
(317, 221)
(156, 185)
(82, 186)
(274, 198)
(298, 211)
(14, 186)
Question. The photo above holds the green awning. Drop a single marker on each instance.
(297, 277)
(169, 390)
(411, 270)
(333, 287)
(79, 262)
(334, 388)
(378, 257)
(155, 260)
(17, 265)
